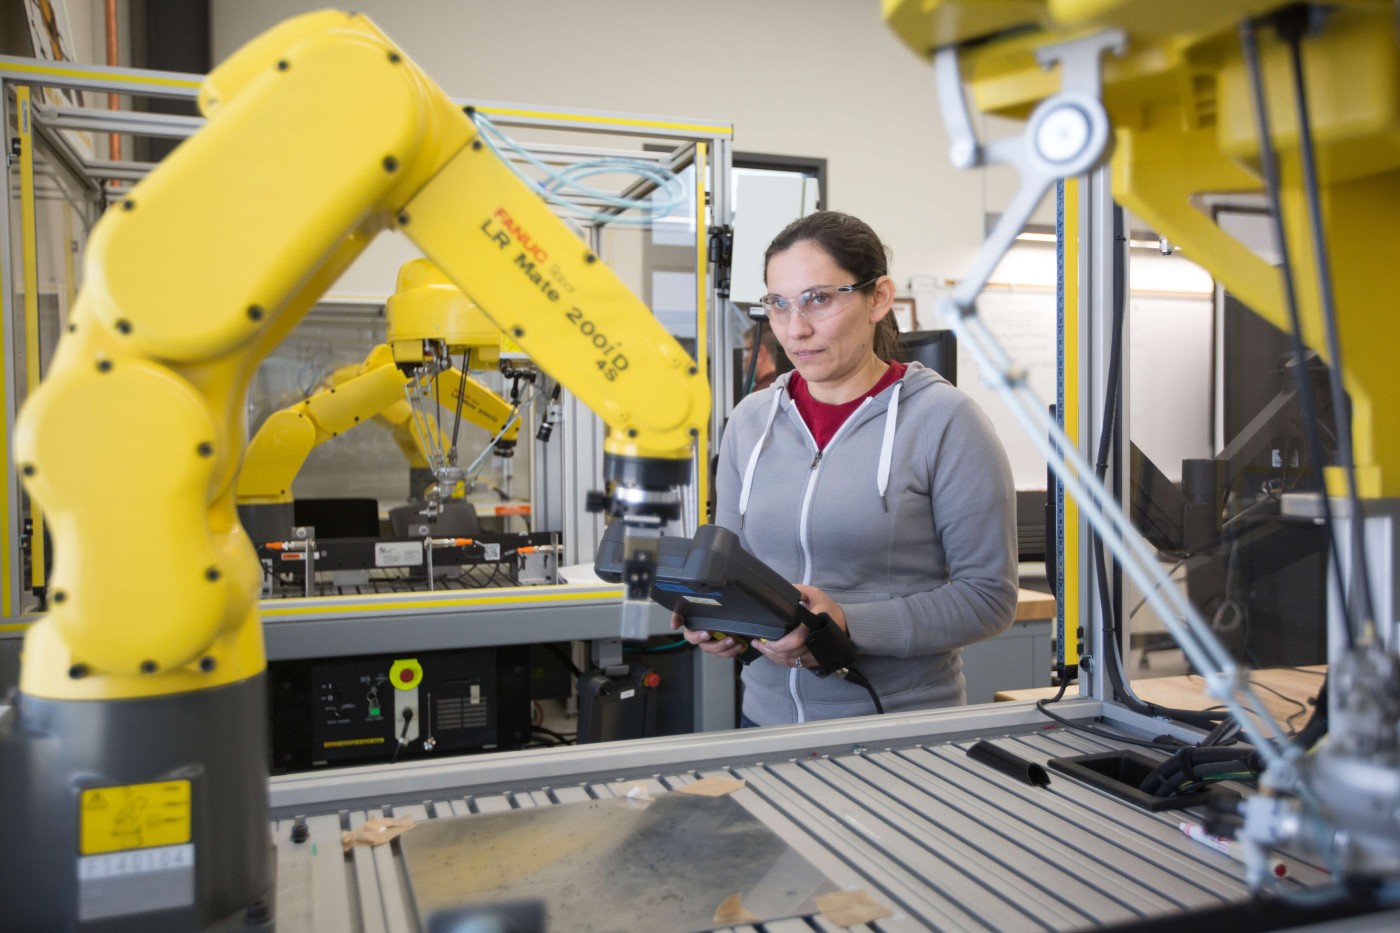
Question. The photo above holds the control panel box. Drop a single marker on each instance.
(359, 710)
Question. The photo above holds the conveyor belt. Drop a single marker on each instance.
(475, 577)
(944, 840)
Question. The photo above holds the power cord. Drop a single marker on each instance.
(834, 651)
(560, 738)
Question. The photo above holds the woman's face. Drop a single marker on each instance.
(837, 347)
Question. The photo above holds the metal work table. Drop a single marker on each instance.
(892, 805)
(313, 627)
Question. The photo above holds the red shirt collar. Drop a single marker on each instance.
(824, 420)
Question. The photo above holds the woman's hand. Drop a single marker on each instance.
(817, 601)
(721, 648)
(788, 651)
(791, 649)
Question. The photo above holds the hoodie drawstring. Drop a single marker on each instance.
(753, 457)
(882, 481)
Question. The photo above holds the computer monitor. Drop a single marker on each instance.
(936, 349)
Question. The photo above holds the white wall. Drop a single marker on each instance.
(820, 78)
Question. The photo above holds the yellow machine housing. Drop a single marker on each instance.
(320, 135)
(426, 308)
(364, 141)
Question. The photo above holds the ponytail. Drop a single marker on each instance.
(886, 344)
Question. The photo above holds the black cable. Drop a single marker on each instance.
(859, 679)
(1108, 430)
(1302, 707)
(1111, 736)
(1062, 676)
(461, 397)
(1316, 726)
(1158, 585)
(1188, 768)
(496, 578)
(680, 645)
(1291, 25)
(1268, 165)
(1288, 723)
(562, 737)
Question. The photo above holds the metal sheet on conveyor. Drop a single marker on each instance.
(945, 841)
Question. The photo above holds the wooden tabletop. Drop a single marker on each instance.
(1284, 691)
(1031, 605)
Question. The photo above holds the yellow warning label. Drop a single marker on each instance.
(133, 816)
(345, 743)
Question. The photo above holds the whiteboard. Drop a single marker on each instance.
(1168, 366)
(1024, 323)
(1169, 362)
(764, 203)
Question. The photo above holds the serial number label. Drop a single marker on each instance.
(136, 862)
(139, 881)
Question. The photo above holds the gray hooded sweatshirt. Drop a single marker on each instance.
(906, 520)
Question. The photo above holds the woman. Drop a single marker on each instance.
(877, 487)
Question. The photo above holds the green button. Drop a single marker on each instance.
(374, 711)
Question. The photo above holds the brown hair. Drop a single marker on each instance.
(855, 247)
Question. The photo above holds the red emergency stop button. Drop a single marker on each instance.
(652, 680)
(406, 674)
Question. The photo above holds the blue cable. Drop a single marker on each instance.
(563, 186)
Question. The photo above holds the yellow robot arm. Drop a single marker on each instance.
(147, 672)
(1178, 99)
(427, 318)
(1183, 101)
(427, 313)
(427, 310)
(277, 452)
(373, 390)
(321, 134)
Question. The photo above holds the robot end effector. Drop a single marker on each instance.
(429, 319)
(406, 384)
(1168, 148)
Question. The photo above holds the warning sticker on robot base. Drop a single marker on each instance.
(133, 816)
